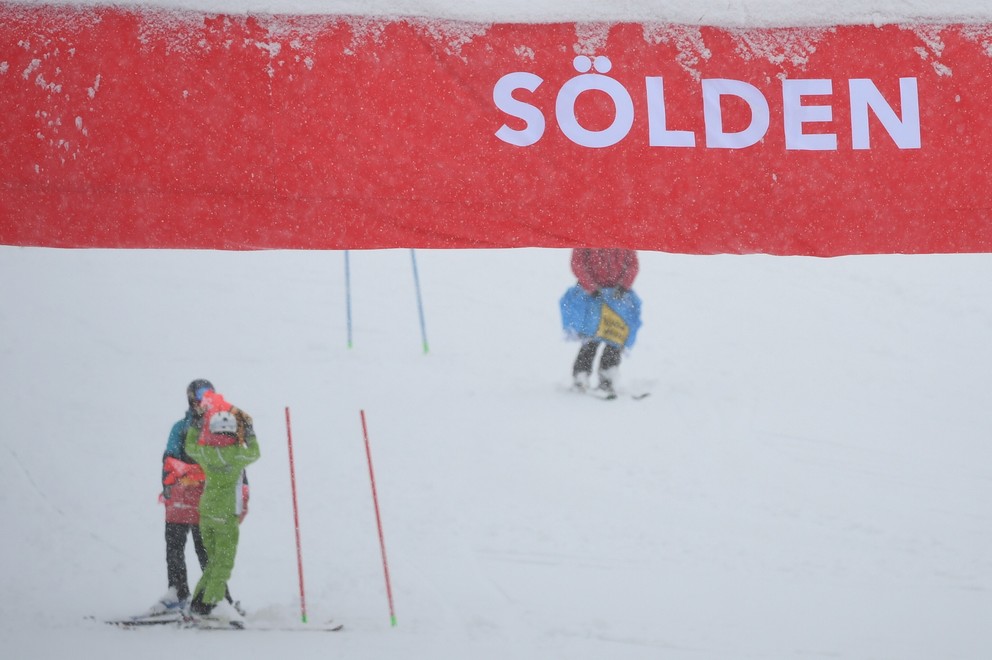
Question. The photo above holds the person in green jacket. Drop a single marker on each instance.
(223, 445)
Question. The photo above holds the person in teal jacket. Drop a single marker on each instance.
(223, 445)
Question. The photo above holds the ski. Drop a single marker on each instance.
(602, 395)
(163, 619)
(211, 624)
(611, 396)
(248, 627)
(178, 620)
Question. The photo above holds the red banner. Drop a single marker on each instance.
(153, 129)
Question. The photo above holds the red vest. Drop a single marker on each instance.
(184, 483)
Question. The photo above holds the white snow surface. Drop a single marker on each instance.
(810, 477)
(736, 13)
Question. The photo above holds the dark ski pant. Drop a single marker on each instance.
(587, 354)
(175, 556)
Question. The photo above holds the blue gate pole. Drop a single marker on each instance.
(347, 292)
(420, 302)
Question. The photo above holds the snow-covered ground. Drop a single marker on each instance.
(810, 477)
(738, 13)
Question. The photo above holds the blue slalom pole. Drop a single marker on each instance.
(420, 302)
(347, 292)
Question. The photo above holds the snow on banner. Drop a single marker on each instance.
(144, 128)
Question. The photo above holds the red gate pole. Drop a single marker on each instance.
(378, 521)
(296, 518)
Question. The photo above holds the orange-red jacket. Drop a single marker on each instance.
(182, 486)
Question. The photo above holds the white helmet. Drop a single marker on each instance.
(224, 422)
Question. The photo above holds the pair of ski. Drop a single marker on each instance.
(181, 620)
(611, 396)
(606, 395)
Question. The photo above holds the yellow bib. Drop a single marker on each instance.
(611, 327)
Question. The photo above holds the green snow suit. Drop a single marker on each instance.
(223, 467)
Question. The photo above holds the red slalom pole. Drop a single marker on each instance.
(296, 518)
(378, 521)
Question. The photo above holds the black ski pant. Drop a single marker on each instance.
(175, 556)
(587, 354)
